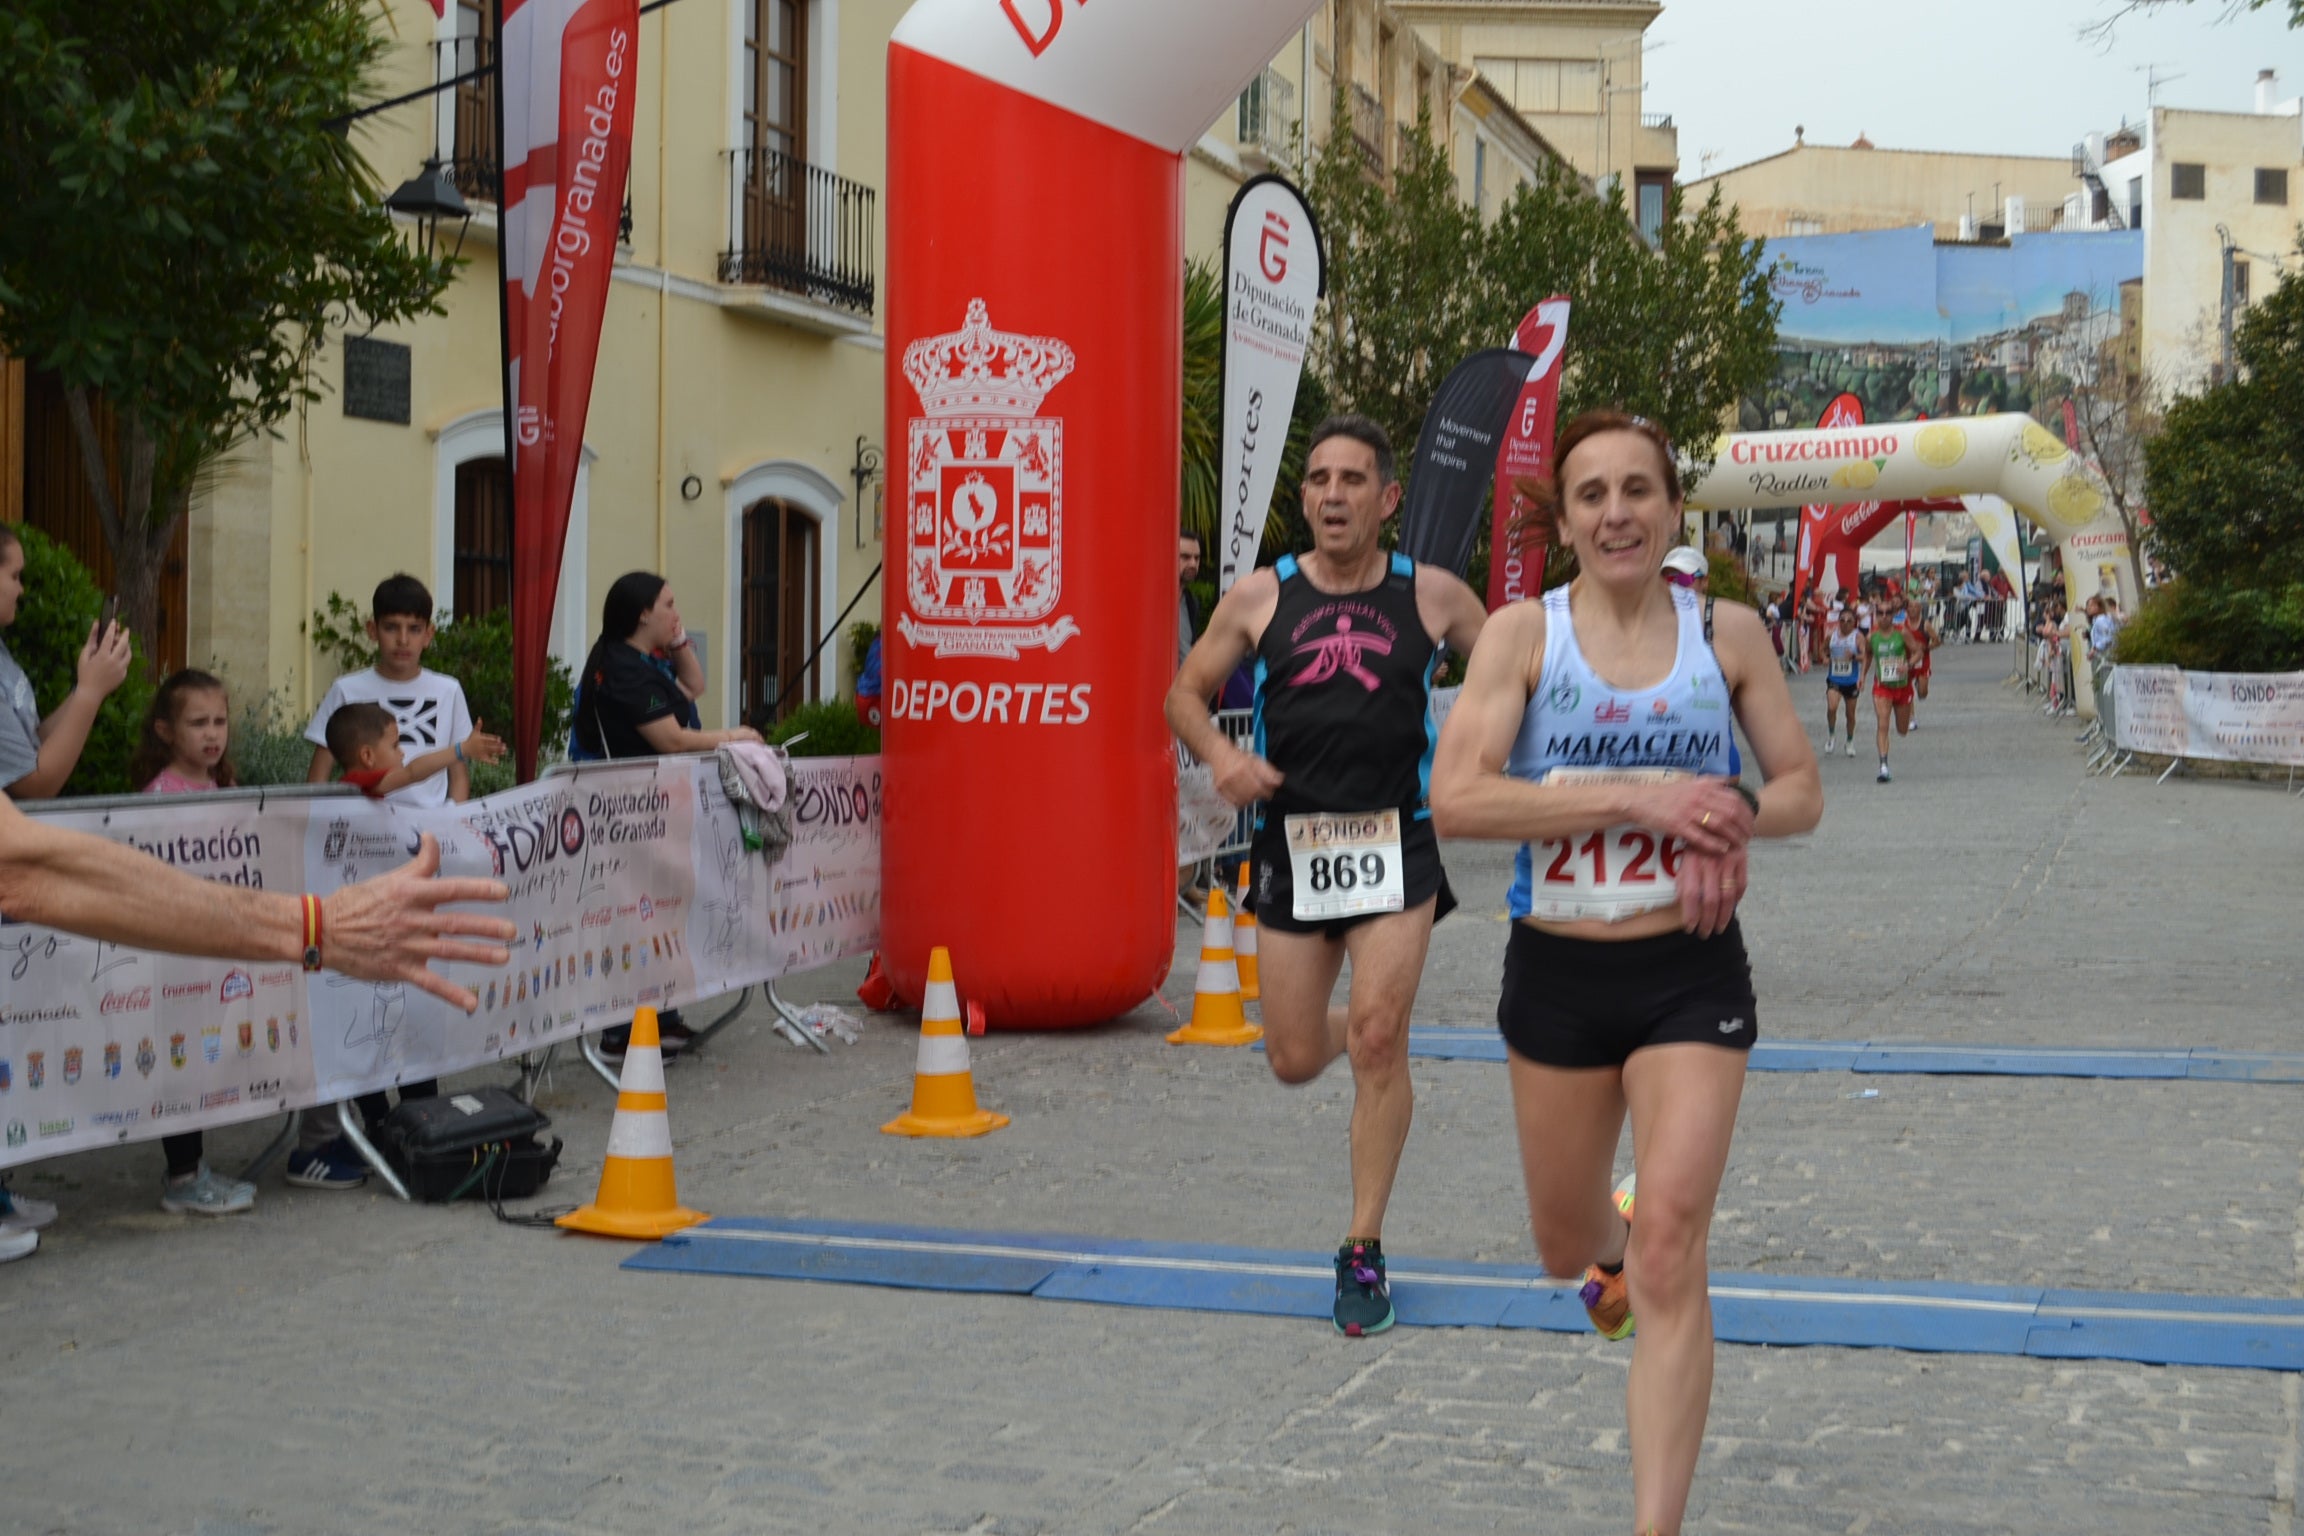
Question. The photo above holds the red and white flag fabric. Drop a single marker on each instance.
(1527, 451)
(567, 77)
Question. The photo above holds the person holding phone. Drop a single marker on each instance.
(37, 755)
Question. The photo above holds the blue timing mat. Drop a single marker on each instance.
(1747, 1309)
(1456, 1044)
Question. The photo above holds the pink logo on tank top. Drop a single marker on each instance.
(1341, 653)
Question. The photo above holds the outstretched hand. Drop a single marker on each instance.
(391, 928)
(480, 747)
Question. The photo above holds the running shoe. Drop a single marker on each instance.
(1363, 1295)
(1607, 1299)
(332, 1165)
(1830, 747)
(1884, 771)
(22, 1213)
(204, 1194)
(18, 1243)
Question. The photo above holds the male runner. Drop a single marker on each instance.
(1888, 658)
(1843, 670)
(1344, 861)
(1922, 636)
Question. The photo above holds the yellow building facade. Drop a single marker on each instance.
(735, 423)
(1398, 62)
(1825, 189)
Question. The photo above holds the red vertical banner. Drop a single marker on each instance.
(565, 88)
(1816, 522)
(1527, 451)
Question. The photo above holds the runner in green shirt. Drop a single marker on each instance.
(1887, 656)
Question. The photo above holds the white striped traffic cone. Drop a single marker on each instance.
(1244, 944)
(1216, 1015)
(943, 1092)
(637, 1197)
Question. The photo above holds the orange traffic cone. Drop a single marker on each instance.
(1244, 943)
(943, 1092)
(636, 1197)
(1216, 1015)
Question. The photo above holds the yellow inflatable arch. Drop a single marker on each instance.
(2010, 456)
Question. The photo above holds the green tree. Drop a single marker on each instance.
(2225, 477)
(1679, 331)
(183, 229)
(1407, 299)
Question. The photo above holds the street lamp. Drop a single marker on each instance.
(869, 460)
(430, 198)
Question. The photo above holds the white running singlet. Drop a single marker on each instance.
(1578, 725)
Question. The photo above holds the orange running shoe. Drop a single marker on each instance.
(1607, 1300)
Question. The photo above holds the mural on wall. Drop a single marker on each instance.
(1913, 328)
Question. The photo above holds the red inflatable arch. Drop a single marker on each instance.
(1035, 256)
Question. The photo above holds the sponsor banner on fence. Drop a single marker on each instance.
(2239, 717)
(630, 884)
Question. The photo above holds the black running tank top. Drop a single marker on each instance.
(1344, 695)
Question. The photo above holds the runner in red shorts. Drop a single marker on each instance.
(1888, 658)
(1921, 637)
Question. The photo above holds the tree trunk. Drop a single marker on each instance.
(138, 540)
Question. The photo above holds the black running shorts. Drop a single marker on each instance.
(1272, 890)
(1589, 1003)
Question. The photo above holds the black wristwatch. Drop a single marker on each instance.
(1750, 798)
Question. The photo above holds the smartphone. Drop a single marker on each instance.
(104, 618)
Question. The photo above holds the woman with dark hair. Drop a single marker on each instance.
(637, 698)
(627, 704)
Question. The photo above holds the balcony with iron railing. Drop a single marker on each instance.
(802, 229)
(1367, 115)
(469, 149)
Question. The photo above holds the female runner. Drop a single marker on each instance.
(1594, 730)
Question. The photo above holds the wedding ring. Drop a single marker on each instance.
(1704, 820)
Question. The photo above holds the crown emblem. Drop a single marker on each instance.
(977, 369)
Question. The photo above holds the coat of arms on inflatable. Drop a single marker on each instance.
(984, 515)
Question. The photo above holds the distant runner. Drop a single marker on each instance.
(1921, 634)
(1843, 672)
(1344, 860)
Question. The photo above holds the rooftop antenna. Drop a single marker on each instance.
(2153, 80)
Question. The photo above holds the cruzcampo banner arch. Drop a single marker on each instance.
(2008, 455)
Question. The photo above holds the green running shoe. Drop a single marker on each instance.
(1363, 1295)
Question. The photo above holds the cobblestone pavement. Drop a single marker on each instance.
(338, 1362)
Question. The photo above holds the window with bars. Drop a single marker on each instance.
(780, 603)
(2272, 186)
(2188, 181)
(483, 555)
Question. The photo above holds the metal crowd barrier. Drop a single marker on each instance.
(1239, 728)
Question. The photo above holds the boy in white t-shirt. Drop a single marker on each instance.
(432, 714)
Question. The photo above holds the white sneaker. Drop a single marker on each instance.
(1829, 749)
(22, 1213)
(18, 1243)
(1883, 770)
(204, 1194)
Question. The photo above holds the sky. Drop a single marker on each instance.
(1982, 76)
